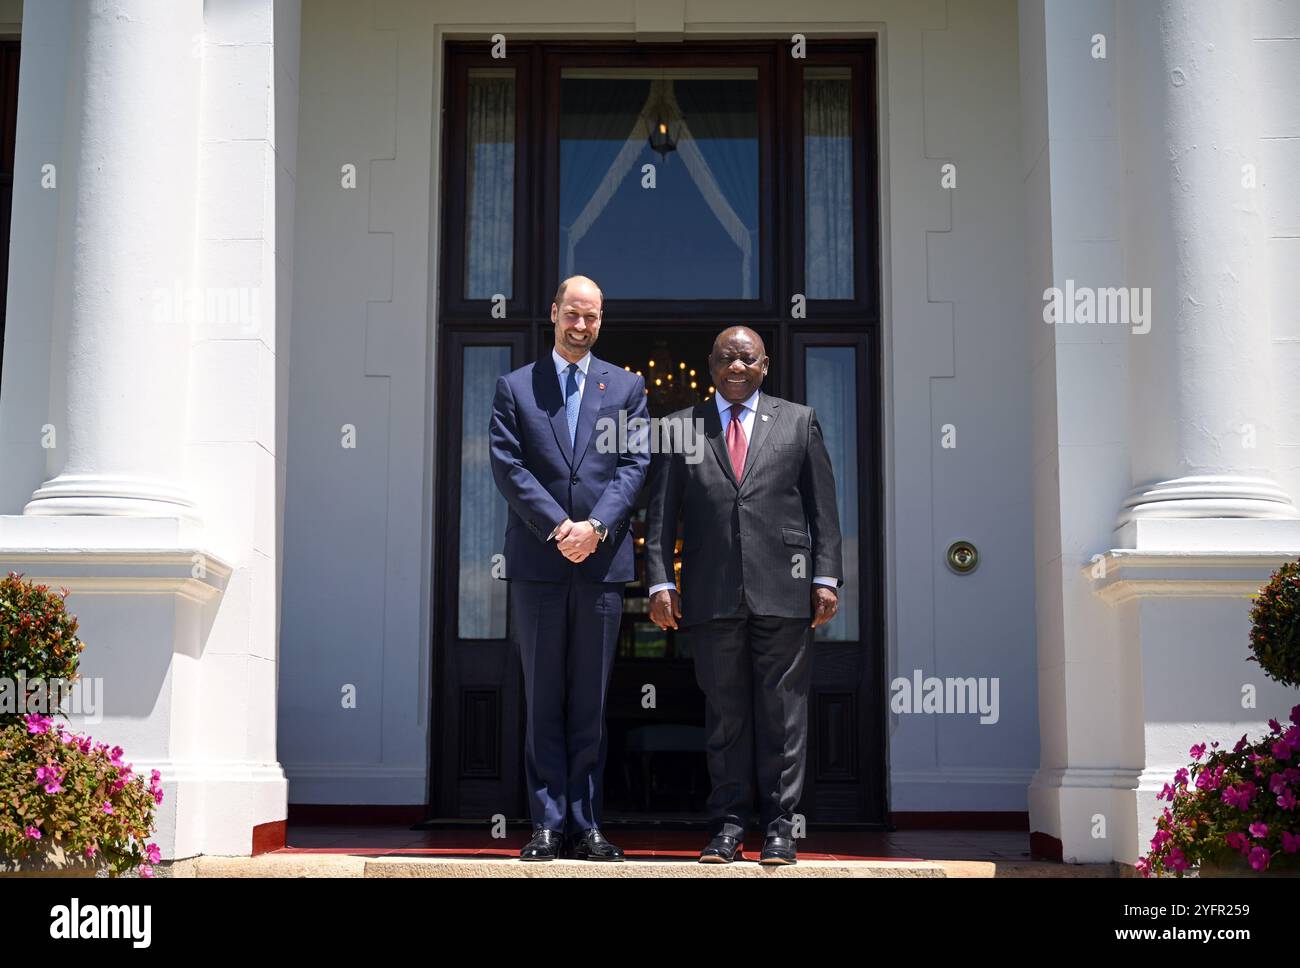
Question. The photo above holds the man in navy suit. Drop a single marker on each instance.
(568, 553)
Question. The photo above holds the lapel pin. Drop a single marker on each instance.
(764, 417)
(601, 385)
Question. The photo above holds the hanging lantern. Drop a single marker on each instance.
(662, 132)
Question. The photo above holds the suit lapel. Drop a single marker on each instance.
(546, 388)
(593, 397)
(713, 430)
(764, 417)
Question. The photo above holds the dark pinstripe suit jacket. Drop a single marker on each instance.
(765, 536)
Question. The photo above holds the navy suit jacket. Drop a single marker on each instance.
(545, 479)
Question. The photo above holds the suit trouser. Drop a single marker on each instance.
(566, 633)
(755, 672)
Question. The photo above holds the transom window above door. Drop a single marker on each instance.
(715, 180)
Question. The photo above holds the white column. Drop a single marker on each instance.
(126, 243)
(1200, 392)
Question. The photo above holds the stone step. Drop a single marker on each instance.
(321, 864)
(355, 865)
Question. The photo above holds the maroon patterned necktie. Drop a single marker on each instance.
(737, 445)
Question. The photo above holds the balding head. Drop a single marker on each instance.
(742, 331)
(588, 285)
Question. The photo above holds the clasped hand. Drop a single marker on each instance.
(576, 539)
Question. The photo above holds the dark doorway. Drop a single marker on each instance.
(756, 203)
(8, 133)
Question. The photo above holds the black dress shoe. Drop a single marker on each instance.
(545, 845)
(777, 850)
(722, 850)
(592, 845)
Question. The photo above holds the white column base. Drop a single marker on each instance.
(1209, 496)
(82, 494)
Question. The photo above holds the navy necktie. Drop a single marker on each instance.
(571, 401)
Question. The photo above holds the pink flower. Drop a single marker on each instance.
(154, 853)
(51, 776)
(1295, 714)
(1275, 726)
(90, 851)
(1287, 800)
(36, 724)
(1143, 867)
(1176, 860)
(1210, 779)
(1241, 744)
(1239, 797)
(107, 807)
(1259, 857)
(1290, 842)
(1198, 751)
(1236, 840)
(157, 796)
(146, 870)
(1161, 836)
(32, 833)
(1259, 830)
(1282, 750)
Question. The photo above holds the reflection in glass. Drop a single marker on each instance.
(828, 182)
(490, 184)
(482, 508)
(695, 234)
(831, 378)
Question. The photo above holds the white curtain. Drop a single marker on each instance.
(828, 187)
(717, 145)
(482, 598)
(831, 378)
(490, 198)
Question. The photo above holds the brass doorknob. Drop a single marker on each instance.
(962, 557)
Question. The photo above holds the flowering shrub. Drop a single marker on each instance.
(60, 788)
(38, 638)
(1239, 802)
(1275, 625)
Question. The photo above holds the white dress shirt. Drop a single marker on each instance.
(747, 425)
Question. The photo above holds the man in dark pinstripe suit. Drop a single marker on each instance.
(760, 569)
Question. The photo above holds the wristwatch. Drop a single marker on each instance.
(601, 530)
